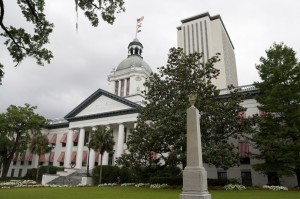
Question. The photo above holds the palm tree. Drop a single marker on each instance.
(39, 145)
(102, 140)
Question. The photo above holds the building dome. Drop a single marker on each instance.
(134, 59)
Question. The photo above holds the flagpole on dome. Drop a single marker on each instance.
(138, 25)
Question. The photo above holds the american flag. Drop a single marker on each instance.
(140, 20)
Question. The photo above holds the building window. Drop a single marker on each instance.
(127, 86)
(222, 175)
(61, 164)
(86, 138)
(111, 158)
(14, 162)
(22, 162)
(116, 87)
(20, 173)
(244, 152)
(122, 88)
(63, 140)
(246, 178)
(125, 135)
(12, 173)
(29, 162)
(75, 139)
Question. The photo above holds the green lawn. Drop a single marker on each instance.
(134, 193)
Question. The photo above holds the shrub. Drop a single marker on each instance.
(31, 173)
(111, 174)
(221, 182)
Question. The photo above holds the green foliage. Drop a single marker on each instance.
(161, 125)
(277, 134)
(31, 173)
(17, 125)
(105, 9)
(102, 140)
(22, 43)
(111, 174)
(39, 145)
(221, 182)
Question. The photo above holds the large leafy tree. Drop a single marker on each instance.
(17, 125)
(39, 145)
(160, 136)
(22, 43)
(278, 126)
(102, 140)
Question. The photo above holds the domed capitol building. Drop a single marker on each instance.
(118, 108)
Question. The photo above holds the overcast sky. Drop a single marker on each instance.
(83, 59)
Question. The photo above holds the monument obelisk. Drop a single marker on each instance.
(194, 174)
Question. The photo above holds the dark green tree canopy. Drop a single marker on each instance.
(278, 126)
(17, 126)
(161, 126)
(23, 43)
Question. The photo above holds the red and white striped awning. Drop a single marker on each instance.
(61, 157)
(51, 158)
(244, 149)
(97, 154)
(75, 137)
(73, 157)
(42, 158)
(84, 156)
(64, 138)
(29, 157)
(53, 139)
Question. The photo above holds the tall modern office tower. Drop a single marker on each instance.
(207, 34)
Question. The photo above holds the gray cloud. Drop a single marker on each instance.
(84, 58)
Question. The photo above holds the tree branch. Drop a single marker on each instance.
(32, 9)
(3, 26)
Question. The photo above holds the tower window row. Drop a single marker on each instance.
(122, 87)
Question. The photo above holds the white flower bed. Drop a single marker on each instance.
(275, 188)
(19, 183)
(127, 184)
(158, 186)
(234, 187)
(107, 184)
(142, 185)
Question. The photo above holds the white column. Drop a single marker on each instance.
(125, 85)
(120, 142)
(119, 89)
(80, 148)
(69, 145)
(92, 153)
(105, 158)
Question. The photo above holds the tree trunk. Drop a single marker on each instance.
(5, 167)
(100, 174)
(298, 176)
(37, 173)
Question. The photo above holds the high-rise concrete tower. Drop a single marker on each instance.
(207, 34)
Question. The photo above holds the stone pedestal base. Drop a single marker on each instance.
(195, 195)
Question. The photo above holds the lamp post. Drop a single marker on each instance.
(50, 147)
(88, 160)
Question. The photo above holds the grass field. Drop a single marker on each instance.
(134, 193)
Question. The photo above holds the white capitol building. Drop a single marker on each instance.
(118, 107)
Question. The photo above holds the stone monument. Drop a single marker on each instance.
(194, 174)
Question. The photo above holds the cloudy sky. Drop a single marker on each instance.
(84, 58)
